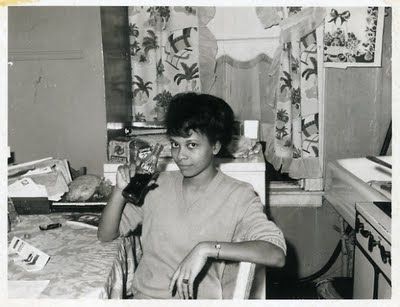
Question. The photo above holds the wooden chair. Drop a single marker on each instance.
(243, 282)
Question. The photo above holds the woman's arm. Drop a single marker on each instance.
(111, 216)
(260, 252)
(108, 228)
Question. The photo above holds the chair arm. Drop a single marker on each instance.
(244, 280)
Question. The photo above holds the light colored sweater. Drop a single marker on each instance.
(229, 211)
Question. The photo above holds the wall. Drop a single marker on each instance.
(56, 105)
(358, 106)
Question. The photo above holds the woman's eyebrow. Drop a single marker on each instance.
(185, 141)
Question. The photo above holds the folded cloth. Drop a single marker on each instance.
(243, 147)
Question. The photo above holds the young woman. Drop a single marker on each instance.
(195, 217)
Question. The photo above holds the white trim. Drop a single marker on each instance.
(34, 55)
(321, 94)
(17, 166)
(293, 197)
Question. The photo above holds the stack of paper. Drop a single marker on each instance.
(42, 178)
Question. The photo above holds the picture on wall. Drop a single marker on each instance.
(353, 36)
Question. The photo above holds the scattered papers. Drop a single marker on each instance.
(26, 288)
(40, 170)
(42, 178)
(25, 187)
(27, 256)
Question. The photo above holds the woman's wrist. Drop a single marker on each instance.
(116, 198)
(210, 249)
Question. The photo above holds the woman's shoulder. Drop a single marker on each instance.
(168, 177)
(237, 184)
(240, 191)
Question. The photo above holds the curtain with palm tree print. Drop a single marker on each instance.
(164, 53)
(295, 146)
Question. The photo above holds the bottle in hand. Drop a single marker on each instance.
(145, 172)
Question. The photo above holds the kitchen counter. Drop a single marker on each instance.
(347, 182)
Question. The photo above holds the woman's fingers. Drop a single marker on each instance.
(173, 280)
(179, 286)
(153, 179)
(122, 172)
(186, 285)
(132, 169)
(184, 290)
(190, 287)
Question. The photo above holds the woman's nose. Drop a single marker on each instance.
(181, 155)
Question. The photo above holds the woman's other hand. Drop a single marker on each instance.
(124, 174)
(188, 270)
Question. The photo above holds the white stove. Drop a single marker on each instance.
(372, 258)
(360, 191)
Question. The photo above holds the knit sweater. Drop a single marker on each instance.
(228, 211)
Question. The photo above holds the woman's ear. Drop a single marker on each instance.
(216, 147)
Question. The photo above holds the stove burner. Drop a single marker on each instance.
(385, 206)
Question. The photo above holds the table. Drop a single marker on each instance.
(80, 266)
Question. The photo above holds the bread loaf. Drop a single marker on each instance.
(82, 188)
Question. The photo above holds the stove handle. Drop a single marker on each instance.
(365, 233)
(360, 228)
(372, 242)
(385, 255)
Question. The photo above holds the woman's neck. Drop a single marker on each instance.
(202, 180)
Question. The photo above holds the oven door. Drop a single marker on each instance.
(372, 263)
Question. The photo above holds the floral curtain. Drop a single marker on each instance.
(293, 147)
(164, 49)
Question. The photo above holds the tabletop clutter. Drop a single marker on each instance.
(49, 203)
(46, 186)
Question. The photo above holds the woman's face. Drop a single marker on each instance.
(193, 154)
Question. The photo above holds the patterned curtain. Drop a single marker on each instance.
(164, 48)
(294, 145)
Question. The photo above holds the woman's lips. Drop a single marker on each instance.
(183, 166)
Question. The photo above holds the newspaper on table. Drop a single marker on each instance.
(27, 256)
(41, 178)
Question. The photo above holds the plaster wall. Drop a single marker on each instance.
(56, 104)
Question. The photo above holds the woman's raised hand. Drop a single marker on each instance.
(187, 271)
(124, 174)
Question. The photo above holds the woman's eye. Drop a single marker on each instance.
(192, 145)
(174, 145)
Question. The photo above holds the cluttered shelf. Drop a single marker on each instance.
(48, 185)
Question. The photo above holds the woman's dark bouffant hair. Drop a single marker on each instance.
(202, 113)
